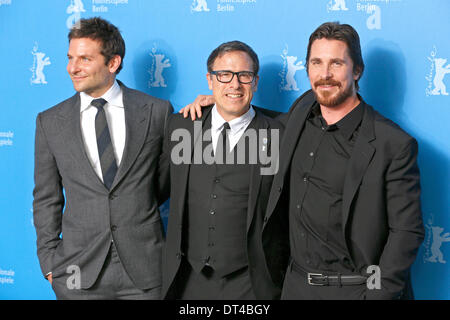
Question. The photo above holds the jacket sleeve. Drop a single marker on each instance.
(406, 231)
(164, 161)
(48, 200)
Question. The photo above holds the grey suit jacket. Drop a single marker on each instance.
(69, 198)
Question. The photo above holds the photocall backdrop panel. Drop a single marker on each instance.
(407, 78)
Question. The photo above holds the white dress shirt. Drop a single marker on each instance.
(115, 116)
(237, 126)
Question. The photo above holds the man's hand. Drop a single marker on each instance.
(50, 279)
(195, 108)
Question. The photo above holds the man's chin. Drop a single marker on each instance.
(330, 100)
(78, 87)
(233, 111)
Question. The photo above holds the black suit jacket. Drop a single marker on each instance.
(266, 281)
(382, 220)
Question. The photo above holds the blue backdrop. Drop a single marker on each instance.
(405, 47)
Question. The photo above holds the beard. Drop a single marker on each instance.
(331, 99)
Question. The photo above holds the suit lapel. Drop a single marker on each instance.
(294, 126)
(183, 170)
(70, 125)
(137, 119)
(293, 129)
(359, 161)
(258, 123)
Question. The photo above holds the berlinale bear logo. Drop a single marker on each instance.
(199, 5)
(290, 68)
(74, 9)
(40, 61)
(160, 62)
(438, 70)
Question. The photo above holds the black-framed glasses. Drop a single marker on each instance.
(226, 76)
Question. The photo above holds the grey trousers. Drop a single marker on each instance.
(113, 283)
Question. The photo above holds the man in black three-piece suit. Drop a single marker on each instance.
(348, 183)
(213, 246)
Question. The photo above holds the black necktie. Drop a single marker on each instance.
(222, 154)
(105, 148)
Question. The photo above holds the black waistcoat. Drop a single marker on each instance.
(216, 221)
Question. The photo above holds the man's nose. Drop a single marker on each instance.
(325, 72)
(234, 83)
(73, 66)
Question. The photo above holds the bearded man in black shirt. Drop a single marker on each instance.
(352, 183)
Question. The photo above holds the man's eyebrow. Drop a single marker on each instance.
(338, 60)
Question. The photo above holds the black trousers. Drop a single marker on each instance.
(205, 285)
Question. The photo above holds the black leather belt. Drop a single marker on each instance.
(319, 279)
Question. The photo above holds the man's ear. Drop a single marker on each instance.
(208, 77)
(255, 85)
(357, 74)
(114, 63)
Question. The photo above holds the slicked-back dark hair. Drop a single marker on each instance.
(230, 47)
(101, 30)
(341, 32)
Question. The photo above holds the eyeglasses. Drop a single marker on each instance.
(226, 76)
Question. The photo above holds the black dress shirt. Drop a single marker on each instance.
(316, 187)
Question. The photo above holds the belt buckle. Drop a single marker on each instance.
(315, 274)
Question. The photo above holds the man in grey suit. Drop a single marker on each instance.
(98, 178)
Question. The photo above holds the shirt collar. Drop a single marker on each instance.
(113, 96)
(346, 125)
(351, 121)
(236, 124)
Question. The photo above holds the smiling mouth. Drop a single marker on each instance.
(327, 84)
(234, 95)
(77, 78)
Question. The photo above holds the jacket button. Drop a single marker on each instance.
(265, 219)
(113, 228)
(279, 189)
